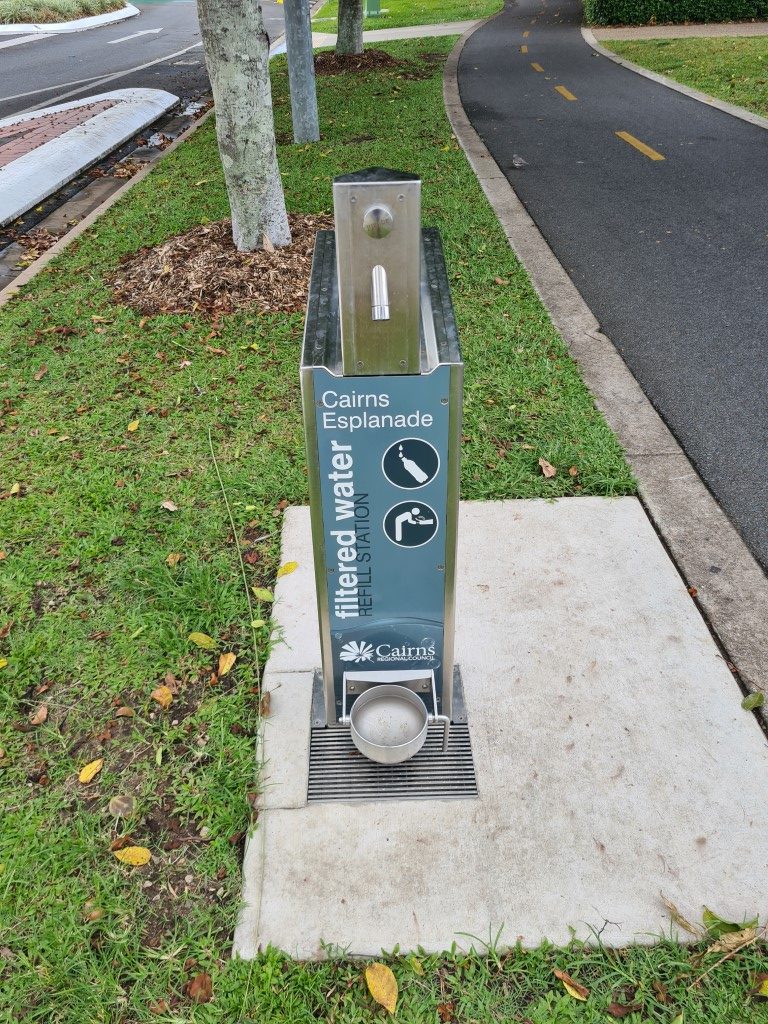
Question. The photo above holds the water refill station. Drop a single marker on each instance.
(381, 382)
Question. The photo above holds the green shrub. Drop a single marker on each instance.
(644, 12)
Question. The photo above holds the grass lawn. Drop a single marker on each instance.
(732, 69)
(14, 12)
(412, 12)
(105, 472)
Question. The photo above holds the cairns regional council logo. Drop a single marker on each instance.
(356, 652)
(361, 650)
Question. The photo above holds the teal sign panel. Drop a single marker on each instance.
(382, 446)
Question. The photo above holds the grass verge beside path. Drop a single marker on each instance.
(734, 69)
(115, 545)
(400, 13)
(19, 12)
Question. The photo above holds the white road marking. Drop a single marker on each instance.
(60, 97)
(25, 39)
(124, 39)
(51, 88)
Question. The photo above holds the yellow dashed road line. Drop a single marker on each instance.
(564, 92)
(537, 67)
(645, 150)
(526, 34)
(523, 49)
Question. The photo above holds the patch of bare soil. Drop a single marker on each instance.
(330, 63)
(201, 271)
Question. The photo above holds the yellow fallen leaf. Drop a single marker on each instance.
(202, 640)
(91, 770)
(572, 987)
(174, 558)
(262, 594)
(382, 985)
(133, 426)
(163, 696)
(226, 661)
(3, 662)
(762, 988)
(15, 488)
(258, 623)
(3, 555)
(134, 855)
(287, 569)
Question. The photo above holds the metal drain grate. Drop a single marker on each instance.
(338, 771)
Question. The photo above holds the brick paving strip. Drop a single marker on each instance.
(20, 139)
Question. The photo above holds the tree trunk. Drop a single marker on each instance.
(301, 71)
(350, 30)
(237, 56)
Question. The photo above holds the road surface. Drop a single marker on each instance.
(670, 254)
(158, 49)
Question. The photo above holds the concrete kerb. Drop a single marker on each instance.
(694, 94)
(76, 25)
(731, 588)
(58, 247)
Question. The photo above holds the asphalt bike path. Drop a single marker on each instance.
(165, 38)
(656, 206)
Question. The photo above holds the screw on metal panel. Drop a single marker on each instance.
(331, 570)
(403, 363)
(443, 401)
(401, 198)
(320, 402)
(353, 199)
(359, 364)
(441, 568)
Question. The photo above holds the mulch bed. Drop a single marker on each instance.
(201, 271)
(330, 63)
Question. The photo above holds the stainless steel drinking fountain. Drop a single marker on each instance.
(381, 379)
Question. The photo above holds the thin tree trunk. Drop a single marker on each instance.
(301, 71)
(350, 30)
(237, 56)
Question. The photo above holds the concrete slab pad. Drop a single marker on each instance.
(613, 759)
(37, 174)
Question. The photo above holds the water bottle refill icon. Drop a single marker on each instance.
(410, 466)
(382, 394)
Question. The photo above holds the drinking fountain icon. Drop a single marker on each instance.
(413, 517)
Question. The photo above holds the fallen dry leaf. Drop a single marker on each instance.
(382, 985)
(174, 558)
(660, 990)
(15, 488)
(39, 715)
(287, 569)
(678, 918)
(226, 661)
(3, 662)
(124, 712)
(200, 988)
(3, 555)
(202, 640)
(572, 987)
(732, 940)
(136, 856)
(122, 806)
(91, 770)
(445, 1013)
(133, 426)
(41, 372)
(761, 986)
(163, 696)
(547, 468)
(265, 704)
(170, 506)
(267, 242)
(619, 1010)
(573, 471)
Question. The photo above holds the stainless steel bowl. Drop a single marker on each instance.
(389, 723)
